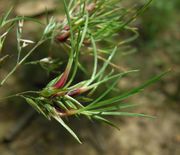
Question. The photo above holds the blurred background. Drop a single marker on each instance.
(157, 50)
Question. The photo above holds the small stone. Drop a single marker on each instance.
(35, 8)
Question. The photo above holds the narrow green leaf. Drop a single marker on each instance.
(4, 18)
(74, 101)
(34, 105)
(24, 18)
(61, 104)
(112, 77)
(130, 93)
(70, 23)
(116, 107)
(59, 119)
(106, 63)
(100, 97)
(106, 121)
(3, 59)
(95, 61)
(71, 104)
(125, 114)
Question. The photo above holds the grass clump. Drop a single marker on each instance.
(85, 27)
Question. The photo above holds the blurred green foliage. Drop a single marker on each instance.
(159, 17)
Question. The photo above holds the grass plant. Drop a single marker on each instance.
(87, 24)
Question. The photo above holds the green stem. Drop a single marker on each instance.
(18, 64)
(19, 94)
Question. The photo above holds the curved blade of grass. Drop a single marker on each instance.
(59, 119)
(106, 63)
(125, 114)
(70, 23)
(117, 107)
(78, 47)
(73, 100)
(129, 93)
(34, 105)
(138, 12)
(100, 97)
(130, 39)
(111, 77)
(106, 121)
(61, 105)
(95, 62)
(4, 18)
(2, 59)
(24, 18)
